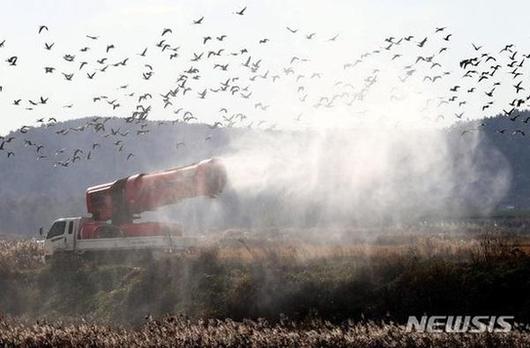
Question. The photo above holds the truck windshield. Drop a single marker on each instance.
(56, 230)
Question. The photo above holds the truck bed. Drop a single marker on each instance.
(135, 243)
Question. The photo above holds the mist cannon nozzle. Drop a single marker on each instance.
(120, 200)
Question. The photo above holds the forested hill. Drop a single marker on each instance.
(47, 172)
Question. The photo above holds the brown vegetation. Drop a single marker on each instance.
(180, 332)
(226, 287)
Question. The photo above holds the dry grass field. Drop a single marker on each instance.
(180, 332)
(271, 289)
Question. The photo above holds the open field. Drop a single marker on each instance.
(180, 332)
(354, 289)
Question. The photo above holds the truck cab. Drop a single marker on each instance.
(61, 236)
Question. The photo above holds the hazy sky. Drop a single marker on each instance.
(134, 25)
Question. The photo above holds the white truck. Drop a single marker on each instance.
(66, 236)
(115, 206)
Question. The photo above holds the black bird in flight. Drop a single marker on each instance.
(12, 60)
(292, 30)
(69, 57)
(507, 48)
(518, 87)
(165, 31)
(196, 56)
(198, 21)
(242, 11)
(42, 27)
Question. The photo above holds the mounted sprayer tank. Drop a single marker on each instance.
(120, 200)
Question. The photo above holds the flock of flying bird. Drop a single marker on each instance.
(416, 58)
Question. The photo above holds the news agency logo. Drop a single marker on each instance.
(460, 323)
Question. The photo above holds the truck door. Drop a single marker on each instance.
(69, 235)
(56, 236)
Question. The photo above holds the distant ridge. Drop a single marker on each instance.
(34, 192)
